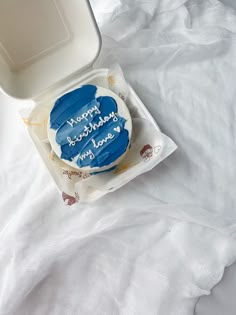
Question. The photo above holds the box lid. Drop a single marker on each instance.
(44, 42)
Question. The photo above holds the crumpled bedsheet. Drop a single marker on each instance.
(162, 241)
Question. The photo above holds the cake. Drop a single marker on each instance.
(90, 128)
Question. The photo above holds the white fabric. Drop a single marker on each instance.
(159, 243)
(222, 298)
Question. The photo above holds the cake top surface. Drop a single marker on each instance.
(89, 128)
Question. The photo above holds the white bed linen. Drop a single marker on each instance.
(221, 301)
(160, 242)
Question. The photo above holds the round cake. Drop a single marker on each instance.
(90, 128)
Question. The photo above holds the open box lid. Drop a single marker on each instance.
(43, 42)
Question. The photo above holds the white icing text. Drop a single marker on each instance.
(85, 115)
(92, 127)
(88, 153)
(100, 143)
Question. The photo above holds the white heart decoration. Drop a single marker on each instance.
(117, 129)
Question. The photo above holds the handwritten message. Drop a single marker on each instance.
(90, 128)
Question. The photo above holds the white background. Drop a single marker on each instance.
(163, 240)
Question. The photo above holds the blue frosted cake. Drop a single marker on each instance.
(90, 128)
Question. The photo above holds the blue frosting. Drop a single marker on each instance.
(89, 129)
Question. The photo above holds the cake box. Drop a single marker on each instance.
(48, 48)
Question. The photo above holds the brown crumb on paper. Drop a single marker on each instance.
(111, 80)
(28, 122)
(51, 156)
(121, 169)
